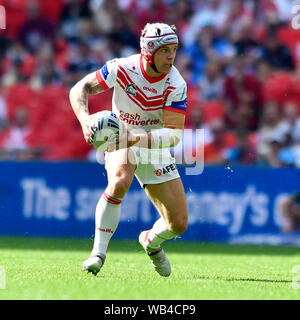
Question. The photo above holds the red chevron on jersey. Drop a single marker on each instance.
(126, 80)
(169, 88)
(136, 102)
(140, 100)
(138, 96)
(130, 80)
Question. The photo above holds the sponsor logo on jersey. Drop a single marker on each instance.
(135, 119)
(167, 169)
(131, 89)
(150, 89)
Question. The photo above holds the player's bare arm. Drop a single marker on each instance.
(79, 101)
(171, 120)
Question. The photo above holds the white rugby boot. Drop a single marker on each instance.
(93, 264)
(158, 258)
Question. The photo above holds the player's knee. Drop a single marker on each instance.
(179, 225)
(119, 186)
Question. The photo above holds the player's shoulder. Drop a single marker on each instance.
(127, 61)
(176, 79)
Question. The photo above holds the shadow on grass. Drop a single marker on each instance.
(172, 246)
(248, 279)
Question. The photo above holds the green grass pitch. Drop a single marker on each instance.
(38, 268)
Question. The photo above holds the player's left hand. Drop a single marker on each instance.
(126, 140)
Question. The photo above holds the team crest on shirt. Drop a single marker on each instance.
(131, 89)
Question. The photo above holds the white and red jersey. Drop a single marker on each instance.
(138, 99)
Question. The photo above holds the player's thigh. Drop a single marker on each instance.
(120, 167)
(169, 199)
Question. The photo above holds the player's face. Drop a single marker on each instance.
(164, 58)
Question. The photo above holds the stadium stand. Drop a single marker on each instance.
(237, 57)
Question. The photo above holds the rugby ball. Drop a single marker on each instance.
(105, 128)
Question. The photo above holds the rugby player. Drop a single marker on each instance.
(149, 94)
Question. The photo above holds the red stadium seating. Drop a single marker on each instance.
(278, 87)
(72, 146)
(100, 102)
(52, 9)
(19, 95)
(16, 13)
(291, 38)
(54, 125)
(50, 94)
(213, 110)
(50, 116)
(192, 102)
(15, 16)
(29, 65)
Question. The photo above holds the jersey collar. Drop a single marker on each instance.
(148, 78)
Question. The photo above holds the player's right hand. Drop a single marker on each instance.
(87, 129)
(126, 140)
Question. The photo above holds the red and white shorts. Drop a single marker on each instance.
(153, 165)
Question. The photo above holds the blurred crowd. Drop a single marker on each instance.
(240, 58)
